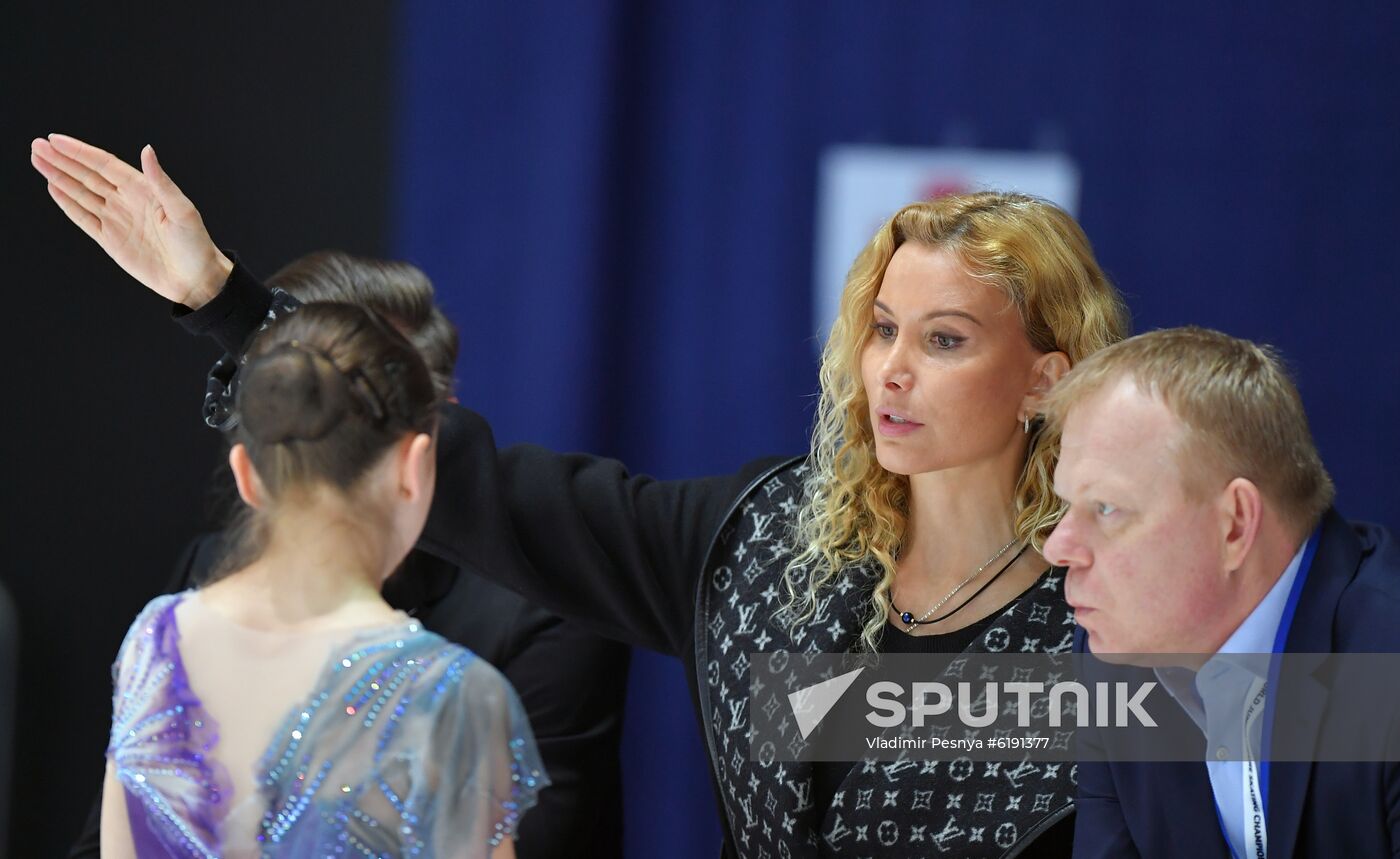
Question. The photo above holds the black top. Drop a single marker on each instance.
(896, 640)
(828, 775)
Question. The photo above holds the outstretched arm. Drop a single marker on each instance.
(140, 218)
(577, 534)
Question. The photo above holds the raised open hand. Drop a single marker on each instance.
(140, 218)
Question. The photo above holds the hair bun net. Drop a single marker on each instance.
(292, 393)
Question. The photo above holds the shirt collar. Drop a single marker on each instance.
(1254, 635)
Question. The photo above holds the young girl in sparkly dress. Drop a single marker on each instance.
(284, 709)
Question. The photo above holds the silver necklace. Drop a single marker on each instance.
(911, 622)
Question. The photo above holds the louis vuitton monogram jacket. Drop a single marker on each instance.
(904, 808)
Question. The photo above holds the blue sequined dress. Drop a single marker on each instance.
(407, 745)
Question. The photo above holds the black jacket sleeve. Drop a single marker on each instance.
(241, 309)
(578, 534)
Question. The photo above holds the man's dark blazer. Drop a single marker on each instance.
(571, 682)
(1350, 603)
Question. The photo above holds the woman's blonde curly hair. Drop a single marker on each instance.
(855, 512)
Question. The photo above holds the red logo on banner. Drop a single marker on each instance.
(943, 186)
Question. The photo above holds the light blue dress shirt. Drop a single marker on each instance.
(1214, 698)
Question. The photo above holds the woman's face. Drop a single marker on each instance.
(947, 366)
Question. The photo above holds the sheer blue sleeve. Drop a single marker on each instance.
(488, 769)
(415, 747)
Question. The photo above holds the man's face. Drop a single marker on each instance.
(1144, 555)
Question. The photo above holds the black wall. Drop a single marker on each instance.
(277, 121)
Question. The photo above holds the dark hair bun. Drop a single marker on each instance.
(292, 392)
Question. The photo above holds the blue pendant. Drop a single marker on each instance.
(907, 617)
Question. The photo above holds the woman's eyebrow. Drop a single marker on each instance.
(936, 313)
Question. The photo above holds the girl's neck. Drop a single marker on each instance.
(315, 572)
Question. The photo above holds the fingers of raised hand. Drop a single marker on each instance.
(72, 188)
(87, 221)
(91, 179)
(105, 164)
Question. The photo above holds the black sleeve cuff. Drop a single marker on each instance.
(233, 315)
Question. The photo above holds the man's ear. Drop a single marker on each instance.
(1045, 372)
(416, 464)
(1241, 512)
(250, 487)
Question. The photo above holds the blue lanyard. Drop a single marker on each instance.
(1280, 641)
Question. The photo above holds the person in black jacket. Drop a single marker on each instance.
(928, 479)
(571, 682)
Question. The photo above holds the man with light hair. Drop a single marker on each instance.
(1200, 522)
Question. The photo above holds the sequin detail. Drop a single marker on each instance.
(161, 737)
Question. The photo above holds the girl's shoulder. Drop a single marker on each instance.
(145, 635)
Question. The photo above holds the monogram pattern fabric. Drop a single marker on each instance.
(907, 807)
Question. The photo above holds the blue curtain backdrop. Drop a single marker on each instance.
(616, 202)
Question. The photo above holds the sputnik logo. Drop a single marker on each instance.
(810, 704)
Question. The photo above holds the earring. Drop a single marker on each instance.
(1026, 425)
